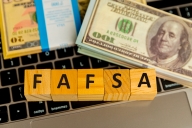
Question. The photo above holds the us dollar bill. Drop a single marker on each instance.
(142, 34)
(83, 5)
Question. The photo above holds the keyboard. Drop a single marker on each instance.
(13, 105)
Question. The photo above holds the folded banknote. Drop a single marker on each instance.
(132, 34)
(58, 22)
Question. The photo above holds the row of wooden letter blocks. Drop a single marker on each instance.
(90, 84)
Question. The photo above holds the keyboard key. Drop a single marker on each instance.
(158, 85)
(0, 46)
(169, 84)
(76, 49)
(22, 72)
(5, 96)
(57, 106)
(186, 12)
(97, 63)
(18, 111)
(63, 64)
(79, 104)
(0, 62)
(11, 62)
(3, 114)
(81, 62)
(122, 67)
(172, 11)
(8, 77)
(30, 59)
(18, 93)
(36, 108)
(45, 56)
(45, 66)
(66, 52)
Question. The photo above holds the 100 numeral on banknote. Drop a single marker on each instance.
(142, 34)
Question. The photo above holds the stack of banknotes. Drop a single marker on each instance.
(34, 26)
(135, 35)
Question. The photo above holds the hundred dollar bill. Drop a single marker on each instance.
(19, 29)
(83, 4)
(140, 35)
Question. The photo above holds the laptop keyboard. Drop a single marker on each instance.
(13, 105)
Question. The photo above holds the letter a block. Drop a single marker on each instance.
(64, 85)
(143, 84)
(90, 84)
(117, 84)
(37, 85)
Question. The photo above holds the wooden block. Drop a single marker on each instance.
(117, 84)
(143, 84)
(64, 85)
(37, 85)
(90, 84)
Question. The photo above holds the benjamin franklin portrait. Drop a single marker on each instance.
(170, 46)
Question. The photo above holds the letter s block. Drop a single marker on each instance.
(117, 84)
(90, 85)
(64, 85)
(143, 84)
(37, 85)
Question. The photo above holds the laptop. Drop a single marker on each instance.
(170, 109)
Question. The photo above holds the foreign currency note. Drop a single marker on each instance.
(142, 34)
(19, 28)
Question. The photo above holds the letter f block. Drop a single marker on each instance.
(90, 85)
(143, 84)
(37, 85)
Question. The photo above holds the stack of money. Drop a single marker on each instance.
(135, 35)
(27, 28)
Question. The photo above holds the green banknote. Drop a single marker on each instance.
(137, 33)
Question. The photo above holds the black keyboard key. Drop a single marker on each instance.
(81, 62)
(3, 114)
(158, 85)
(18, 93)
(22, 72)
(169, 84)
(5, 96)
(30, 59)
(97, 63)
(36, 108)
(76, 49)
(0, 62)
(122, 67)
(11, 62)
(172, 11)
(63, 64)
(166, 3)
(57, 106)
(113, 68)
(45, 56)
(66, 52)
(186, 12)
(0, 46)
(79, 104)
(18, 111)
(8, 77)
(45, 66)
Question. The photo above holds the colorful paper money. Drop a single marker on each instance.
(135, 35)
(19, 28)
(24, 31)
